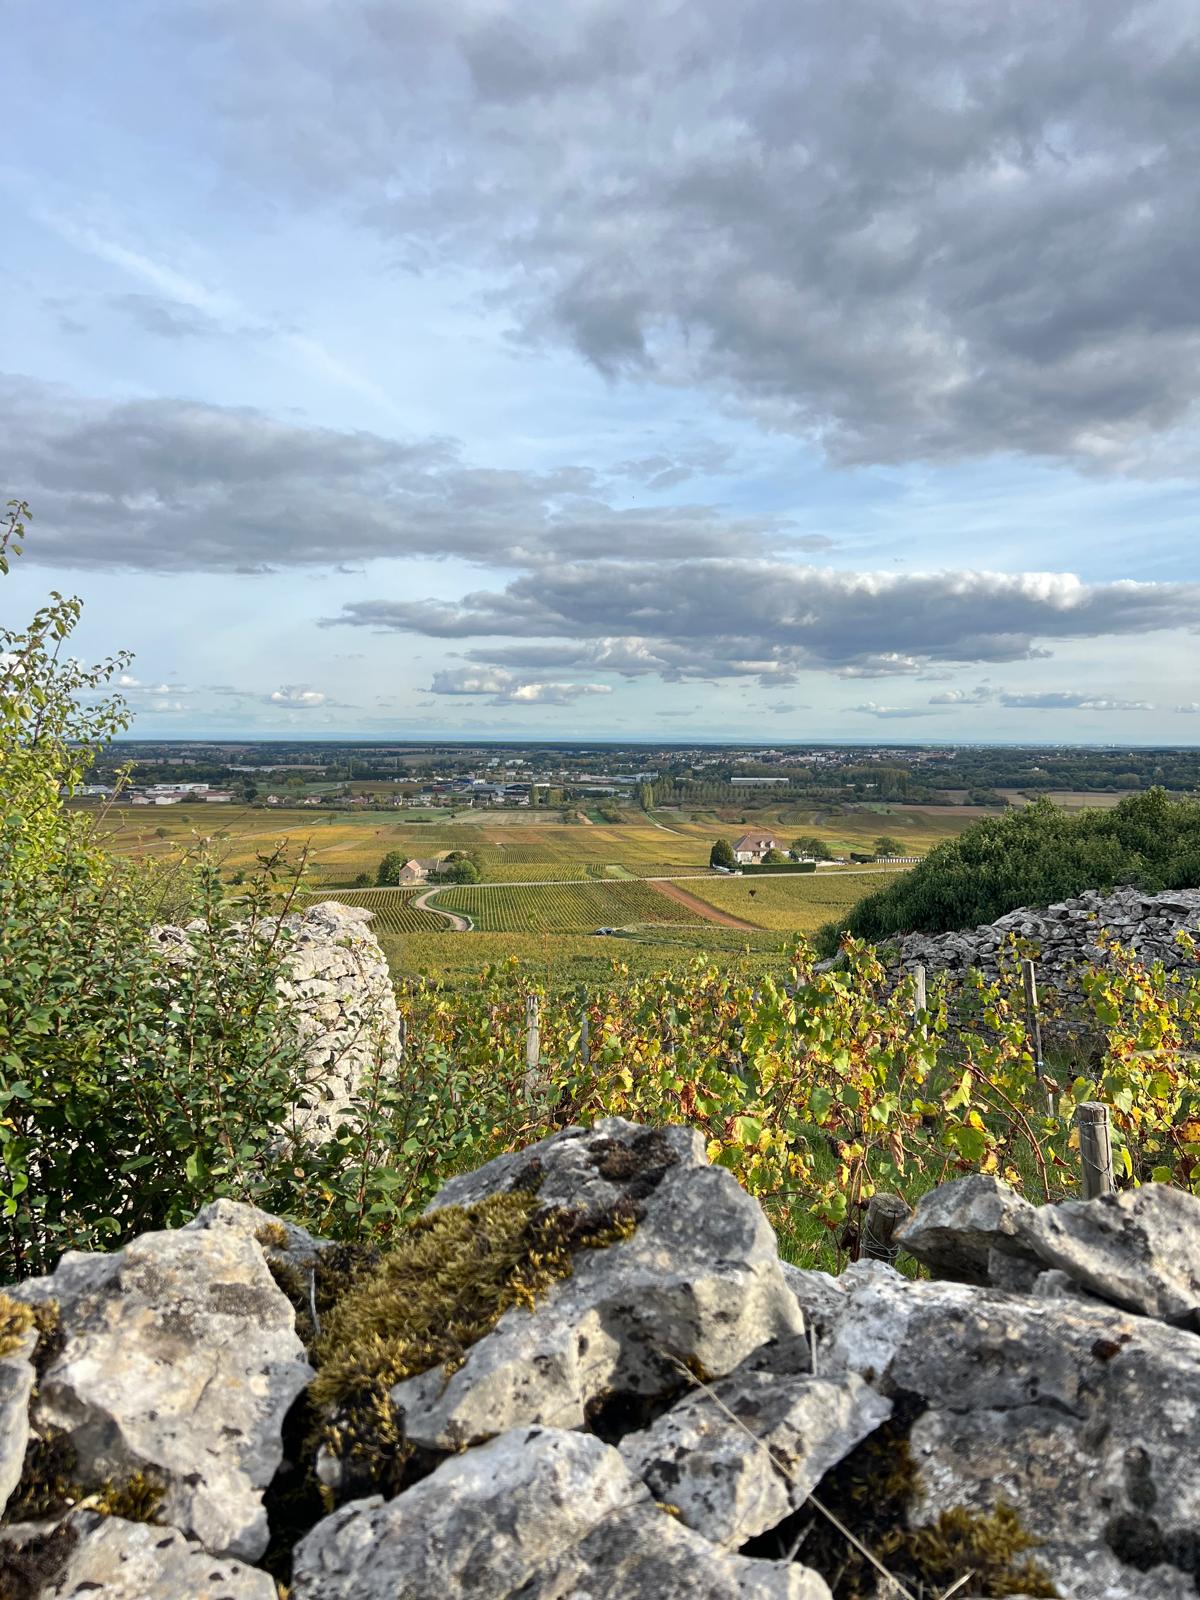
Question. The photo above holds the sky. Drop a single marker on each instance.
(772, 371)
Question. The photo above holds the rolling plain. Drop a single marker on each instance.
(548, 884)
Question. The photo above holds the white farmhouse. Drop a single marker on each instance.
(752, 847)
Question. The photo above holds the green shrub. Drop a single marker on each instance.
(721, 855)
(1033, 856)
(135, 1083)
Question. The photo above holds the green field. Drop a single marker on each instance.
(509, 845)
(562, 908)
(552, 959)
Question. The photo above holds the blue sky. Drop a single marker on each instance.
(771, 372)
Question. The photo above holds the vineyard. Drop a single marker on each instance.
(391, 912)
(562, 907)
(788, 904)
(817, 1089)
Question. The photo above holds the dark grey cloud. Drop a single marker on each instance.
(916, 230)
(728, 618)
(176, 485)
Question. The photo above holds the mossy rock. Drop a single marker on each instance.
(872, 1492)
(383, 1318)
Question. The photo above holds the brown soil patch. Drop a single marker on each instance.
(709, 913)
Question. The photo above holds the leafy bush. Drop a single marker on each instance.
(458, 867)
(809, 845)
(1033, 856)
(134, 1083)
(388, 874)
(721, 855)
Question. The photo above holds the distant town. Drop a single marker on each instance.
(613, 779)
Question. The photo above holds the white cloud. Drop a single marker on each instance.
(509, 688)
(1070, 700)
(296, 697)
(892, 713)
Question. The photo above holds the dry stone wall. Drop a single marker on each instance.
(664, 1423)
(1065, 936)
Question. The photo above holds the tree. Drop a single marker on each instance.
(774, 858)
(389, 869)
(721, 855)
(458, 868)
(885, 845)
(809, 847)
(363, 881)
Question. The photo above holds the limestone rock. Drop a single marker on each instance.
(285, 1240)
(698, 1280)
(956, 1227)
(339, 995)
(544, 1513)
(1081, 1418)
(16, 1386)
(179, 1359)
(732, 1479)
(1139, 1249)
(116, 1560)
(642, 1554)
(1067, 935)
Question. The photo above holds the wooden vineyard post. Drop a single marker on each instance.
(919, 998)
(533, 1045)
(1095, 1149)
(402, 1036)
(885, 1213)
(585, 1042)
(1033, 1021)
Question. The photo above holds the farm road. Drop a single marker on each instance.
(458, 924)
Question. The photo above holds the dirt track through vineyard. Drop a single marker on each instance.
(694, 903)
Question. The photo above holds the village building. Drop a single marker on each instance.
(752, 847)
(417, 871)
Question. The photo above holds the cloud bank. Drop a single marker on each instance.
(910, 231)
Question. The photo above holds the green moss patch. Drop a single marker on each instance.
(50, 1486)
(455, 1274)
(872, 1492)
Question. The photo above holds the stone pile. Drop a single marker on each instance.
(1066, 936)
(338, 997)
(677, 1413)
